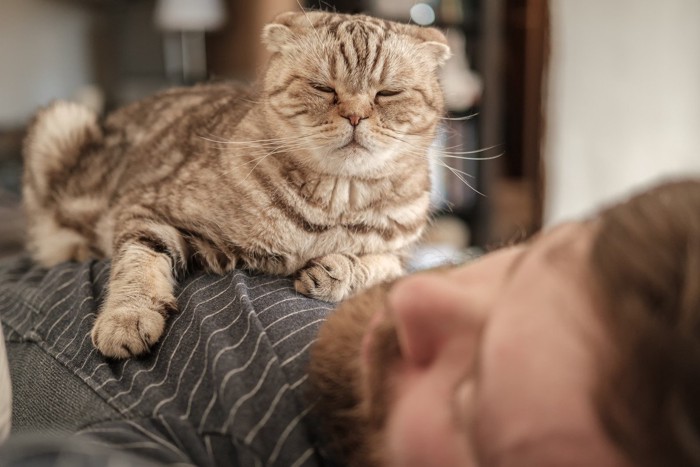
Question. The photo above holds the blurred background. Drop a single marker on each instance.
(561, 105)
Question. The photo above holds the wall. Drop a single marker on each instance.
(44, 54)
(624, 99)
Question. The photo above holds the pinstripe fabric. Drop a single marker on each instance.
(224, 386)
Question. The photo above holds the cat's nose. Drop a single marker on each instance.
(355, 109)
(354, 119)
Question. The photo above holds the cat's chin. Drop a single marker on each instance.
(354, 151)
(354, 146)
(353, 160)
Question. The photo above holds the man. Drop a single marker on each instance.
(577, 348)
(580, 348)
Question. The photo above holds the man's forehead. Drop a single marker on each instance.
(572, 239)
(558, 253)
(538, 359)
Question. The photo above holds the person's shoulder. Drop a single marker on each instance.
(34, 298)
(270, 301)
(289, 319)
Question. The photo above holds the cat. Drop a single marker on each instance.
(318, 171)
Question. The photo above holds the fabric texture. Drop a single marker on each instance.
(226, 385)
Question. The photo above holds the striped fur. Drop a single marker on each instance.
(319, 171)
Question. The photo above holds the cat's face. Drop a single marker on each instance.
(353, 94)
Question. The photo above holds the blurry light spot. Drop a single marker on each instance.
(423, 14)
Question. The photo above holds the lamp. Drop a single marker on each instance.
(184, 23)
(190, 15)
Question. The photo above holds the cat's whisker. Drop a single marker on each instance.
(440, 155)
(276, 152)
(253, 141)
(273, 141)
(464, 158)
(460, 119)
(308, 40)
(460, 176)
(257, 159)
(449, 167)
(313, 28)
(308, 20)
(239, 150)
(251, 161)
(388, 135)
(296, 145)
(218, 139)
(447, 150)
(326, 5)
(454, 154)
(456, 147)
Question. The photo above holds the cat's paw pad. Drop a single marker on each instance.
(129, 332)
(327, 278)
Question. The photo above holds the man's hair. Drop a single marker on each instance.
(646, 262)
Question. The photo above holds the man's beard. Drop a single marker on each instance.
(352, 400)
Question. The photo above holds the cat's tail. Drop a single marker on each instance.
(56, 139)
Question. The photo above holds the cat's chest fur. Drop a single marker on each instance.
(338, 197)
(282, 210)
(352, 214)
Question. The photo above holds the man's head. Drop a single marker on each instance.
(646, 259)
(519, 359)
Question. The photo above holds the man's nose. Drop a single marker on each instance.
(431, 310)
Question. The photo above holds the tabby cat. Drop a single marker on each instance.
(318, 171)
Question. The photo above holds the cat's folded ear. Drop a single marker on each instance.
(279, 35)
(434, 42)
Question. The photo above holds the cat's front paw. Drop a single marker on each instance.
(327, 278)
(129, 331)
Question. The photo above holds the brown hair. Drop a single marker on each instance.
(646, 258)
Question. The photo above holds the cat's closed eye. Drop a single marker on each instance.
(388, 92)
(323, 88)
